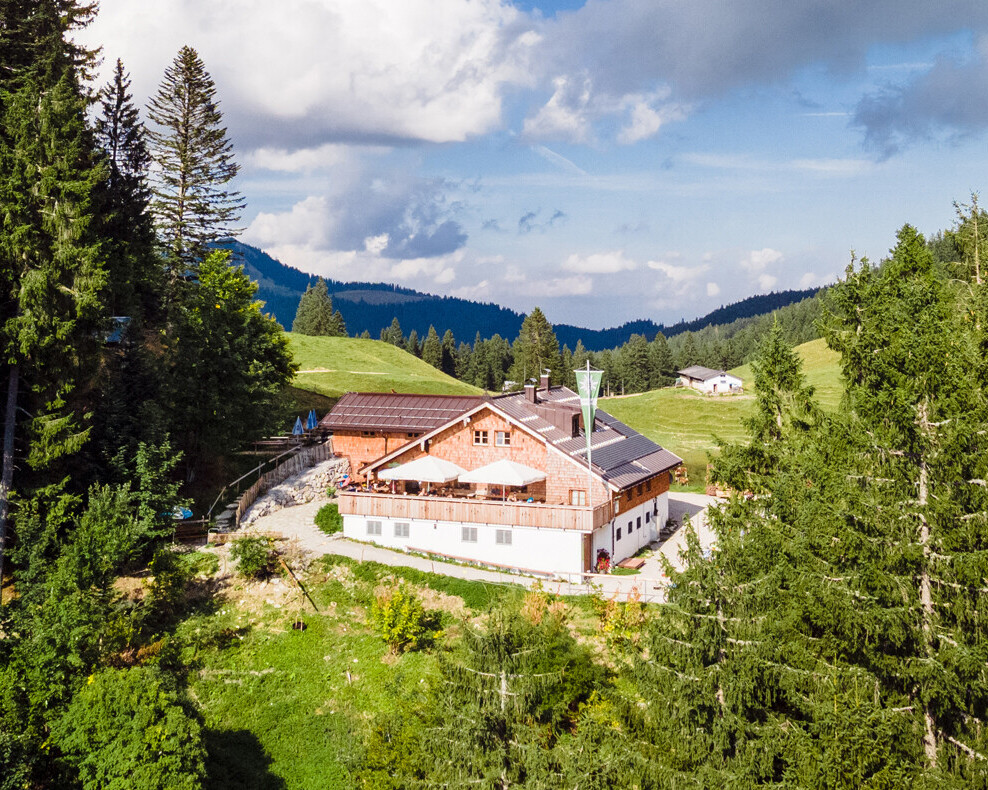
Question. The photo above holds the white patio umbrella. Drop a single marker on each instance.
(504, 473)
(427, 469)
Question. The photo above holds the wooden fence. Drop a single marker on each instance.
(305, 458)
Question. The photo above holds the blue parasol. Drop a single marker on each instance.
(298, 430)
(313, 421)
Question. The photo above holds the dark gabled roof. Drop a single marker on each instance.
(701, 373)
(619, 454)
(375, 411)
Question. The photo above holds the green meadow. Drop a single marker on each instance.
(689, 424)
(331, 366)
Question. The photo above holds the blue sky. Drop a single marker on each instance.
(607, 160)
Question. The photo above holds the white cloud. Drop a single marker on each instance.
(767, 281)
(599, 263)
(713, 289)
(481, 290)
(578, 285)
(678, 274)
(304, 160)
(757, 260)
(645, 120)
(304, 224)
(430, 70)
(566, 116)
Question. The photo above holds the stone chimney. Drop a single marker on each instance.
(530, 393)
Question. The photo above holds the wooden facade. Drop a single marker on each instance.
(471, 511)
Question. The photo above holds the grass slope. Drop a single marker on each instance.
(689, 423)
(331, 366)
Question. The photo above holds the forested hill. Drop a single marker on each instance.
(372, 307)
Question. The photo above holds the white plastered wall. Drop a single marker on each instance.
(629, 543)
(543, 550)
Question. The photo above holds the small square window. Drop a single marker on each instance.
(578, 497)
(401, 529)
(373, 527)
(502, 537)
(367, 433)
(618, 534)
(468, 534)
(480, 438)
(648, 485)
(502, 438)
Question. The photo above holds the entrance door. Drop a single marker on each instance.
(587, 551)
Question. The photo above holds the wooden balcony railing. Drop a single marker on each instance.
(516, 514)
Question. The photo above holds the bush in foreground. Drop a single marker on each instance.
(399, 619)
(329, 520)
(125, 729)
(253, 555)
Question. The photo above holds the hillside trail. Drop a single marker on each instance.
(298, 523)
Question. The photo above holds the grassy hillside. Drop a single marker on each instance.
(687, 422)
(331, 366)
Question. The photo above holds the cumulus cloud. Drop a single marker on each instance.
(675, 273)
(304, 160)
(599, 263)
(767, 281)
(713, 289)
(431, 70)
(757, 260)
(578, 285)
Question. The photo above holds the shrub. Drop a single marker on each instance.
(126, 729)
(253, 555)
(329, 520)
(399, 619)
(331, 491)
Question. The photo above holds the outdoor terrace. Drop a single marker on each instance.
(474, 510)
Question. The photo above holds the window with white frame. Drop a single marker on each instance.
(502, 537)
(480, 438)
(401, 529)
(502, 438)
(373, 527)
(578, 497)
(468, 534)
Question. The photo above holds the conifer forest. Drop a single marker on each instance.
(833, 638)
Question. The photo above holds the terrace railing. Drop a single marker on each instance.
(471, 511)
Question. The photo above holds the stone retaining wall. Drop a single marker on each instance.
(299, 489)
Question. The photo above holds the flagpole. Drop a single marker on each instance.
(588, 430)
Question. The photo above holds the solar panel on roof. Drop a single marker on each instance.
(623, 452)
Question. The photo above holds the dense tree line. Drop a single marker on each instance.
(832, 638)
(133, 359)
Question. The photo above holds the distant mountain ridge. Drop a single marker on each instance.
(372, 307)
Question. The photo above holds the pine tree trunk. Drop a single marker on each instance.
(925, 591)
(7, 476)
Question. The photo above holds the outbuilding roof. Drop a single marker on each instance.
(700, 373)
(396, 412)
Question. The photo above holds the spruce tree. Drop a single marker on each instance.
(193, 201)
(448, 344)
(432, 349)
(52, 275)
(663, 364)
(315, 315)
(536, 349)
(413, 346)
(636, 364)
(392, 334)
(132, 268)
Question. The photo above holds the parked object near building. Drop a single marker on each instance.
(709, 381)
(528, 500)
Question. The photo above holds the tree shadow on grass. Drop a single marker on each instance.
(237, 761)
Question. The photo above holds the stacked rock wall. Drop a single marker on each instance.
(299, 489)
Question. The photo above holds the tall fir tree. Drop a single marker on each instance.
(448, 344)
(432, 349)
(663, 364)
(52, 275)
(194, 203)
(315, 315)
(536, 349)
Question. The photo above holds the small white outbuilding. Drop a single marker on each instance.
(708, 381)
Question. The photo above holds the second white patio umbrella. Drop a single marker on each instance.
(504, 473)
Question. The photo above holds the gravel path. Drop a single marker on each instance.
(299, 523)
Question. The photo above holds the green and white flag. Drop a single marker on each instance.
(588, 385)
